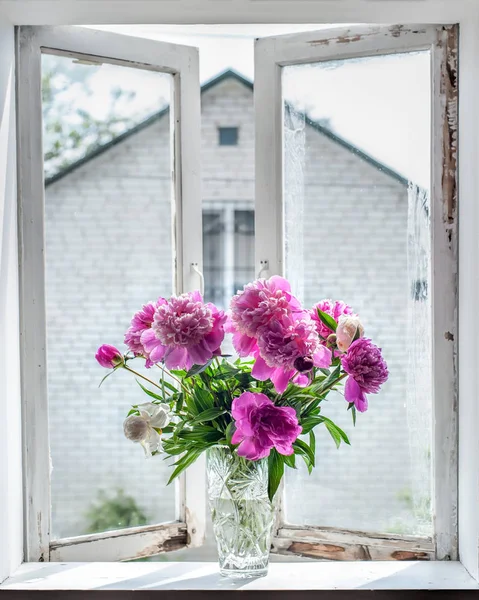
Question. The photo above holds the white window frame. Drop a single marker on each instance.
(183, 64)
(32, 12)
(271, 55)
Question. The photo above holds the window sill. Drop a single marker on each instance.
(282, 577)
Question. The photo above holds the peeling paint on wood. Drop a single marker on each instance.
(405, 555)
(138, 542)
(348, 39)
(448, 90)
(356, 35)
(445, 288)
(337, 544)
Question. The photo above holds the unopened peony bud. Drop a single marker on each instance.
(109, 356)
(136, 428)
(303, 364)
(331, 340)
(348, 327)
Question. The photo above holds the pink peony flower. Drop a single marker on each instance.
(260, 302)
(333, 308)
(141, 321)
(261, 425)
(185, 331)
(287, 349)
(367, 371)
(109, 356)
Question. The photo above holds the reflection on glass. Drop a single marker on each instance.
(108, 251)
(228, 250)
(357, 228)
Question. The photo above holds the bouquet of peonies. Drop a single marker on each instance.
(266, 403)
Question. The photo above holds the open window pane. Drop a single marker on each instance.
(109, 249)
(357, 228)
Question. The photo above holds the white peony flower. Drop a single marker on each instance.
(143, 428)
(346, 330)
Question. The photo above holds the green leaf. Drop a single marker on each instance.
(353, 412)
(184, 462)
(209, 415)
(290, 461)
(203, 399)
(133, 411)
(244, 379)
(179, 403)
(150, 393)
(330, 380)
(309, 423)
(303, 448)
(196, 369)
(225, 375)
(230, 431)
(178, 373)
(204, 435)
(312, 442)
(275, 472)
(170, 386)
(107, 375)
(327, 320)
(336, 432)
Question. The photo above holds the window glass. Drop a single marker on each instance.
(228, 136)
(228, 251)
(357, 225)
(108, 218)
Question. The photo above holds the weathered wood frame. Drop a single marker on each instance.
(183, 64)
(271, 55)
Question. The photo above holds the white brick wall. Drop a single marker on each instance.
(108, 250)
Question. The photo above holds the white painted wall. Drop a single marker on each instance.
(11, 512)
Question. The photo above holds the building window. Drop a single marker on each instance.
(228, 136)
(228, 251)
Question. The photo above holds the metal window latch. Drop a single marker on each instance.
(194, 267)
(264, 267)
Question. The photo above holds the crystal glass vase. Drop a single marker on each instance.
(241, 512)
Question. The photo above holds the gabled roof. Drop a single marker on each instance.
(228, 74)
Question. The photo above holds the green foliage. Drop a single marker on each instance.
(276, 470)
(70, 130)
(116, 511)
(201, 401)
(327, 320)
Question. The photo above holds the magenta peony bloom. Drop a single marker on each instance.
(141, 321)
(261, 425)
(185, 331)
(109, 356)
(260, 302)
(334, 308)
(367, 371)
(287, 349)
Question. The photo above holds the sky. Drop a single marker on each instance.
(380, 104)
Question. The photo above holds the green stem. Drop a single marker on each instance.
(328, 387)
(226, 383)
(173, 377)
(142, 376)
